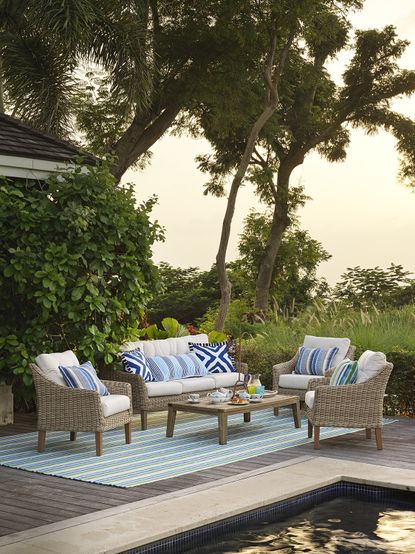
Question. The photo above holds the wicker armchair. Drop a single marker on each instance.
(61, 408)
(357, 406)
(142, 403)
(288, 367)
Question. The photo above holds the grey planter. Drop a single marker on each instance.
(6, 405)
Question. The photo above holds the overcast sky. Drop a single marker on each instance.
(360, 212)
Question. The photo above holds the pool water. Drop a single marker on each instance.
(339, 526)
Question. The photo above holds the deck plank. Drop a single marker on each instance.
(28, 500)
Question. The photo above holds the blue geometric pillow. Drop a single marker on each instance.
(315, 361)
(83, 377)
(180, 366)
(215, 356)
(135, 362)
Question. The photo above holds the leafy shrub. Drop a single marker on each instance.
(400, 392)
(75, 269)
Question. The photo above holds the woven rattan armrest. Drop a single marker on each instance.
(283, 369)
(117, 387)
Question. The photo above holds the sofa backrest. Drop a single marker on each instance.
(343, 344)
(164, 347)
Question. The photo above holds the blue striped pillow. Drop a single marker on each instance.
(315, 361)
(215, 356)
(345, 373)
(135, 362)
(83, 377)
(181, 366)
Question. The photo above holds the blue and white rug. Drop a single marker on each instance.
(151, 456)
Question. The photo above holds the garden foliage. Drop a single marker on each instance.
(75, 268)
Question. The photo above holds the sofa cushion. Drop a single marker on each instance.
(226, 379)
(345, 373)
(293, 381)
(164, 347)
(215, 357)
(114, 404)
(343, 344)
(49, 365)
(83, 377)
(369, 365)
(166, 368)
(309, 398)
(315, 361)
(135, 362)
(196, 384)
(164, 388)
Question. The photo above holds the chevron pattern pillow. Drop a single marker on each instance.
(135, 362)
(215, 356)
(315, 361)
(83, 377)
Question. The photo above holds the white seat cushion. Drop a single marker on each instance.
(328, 342)
(194, 384)
(293, 381)
(309, 398)
(226, 379)
(49, 365)
(369, 365)
(164, 388)
(164, 347)
(114, 404)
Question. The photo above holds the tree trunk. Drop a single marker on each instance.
(224, 283)
(1, 88)
(143, 132)
(280, 222)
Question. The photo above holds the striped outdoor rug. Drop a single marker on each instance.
(151, 456)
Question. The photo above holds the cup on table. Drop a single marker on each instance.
(194, 397)
(260, 390)
(251, 389)
(256, 397)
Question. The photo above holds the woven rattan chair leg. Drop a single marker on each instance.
(276, 411)
(317, 437)
(72, 436)
(98, 442)
(368, 433)
(41, 441)
(379, 441)
(310, 430)
(143, 420)
(127, 429)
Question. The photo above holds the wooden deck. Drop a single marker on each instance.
(29, 500)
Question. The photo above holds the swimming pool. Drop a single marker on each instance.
(339, 519)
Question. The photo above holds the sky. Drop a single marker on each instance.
(359, 210)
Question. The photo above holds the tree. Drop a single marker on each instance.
(294, 280)
(315, 113)
(75, 268)
(361, 287)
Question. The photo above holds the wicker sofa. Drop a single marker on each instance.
(61, 408)
(357, 406)
(285, 382)
(156, 396)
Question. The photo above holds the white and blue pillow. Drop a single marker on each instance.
(315, 361)
(215, 356)
(181, 366)
(345, 373)
(135, 362)
(83, 377)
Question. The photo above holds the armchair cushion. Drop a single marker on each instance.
(345, 373)
(343, 344)
(315, 361)
(309, 398)
(114, 404)
(49, 365)
(369, 365)
(293, 381)
(83, 377)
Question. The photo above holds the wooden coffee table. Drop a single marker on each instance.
(222, 411)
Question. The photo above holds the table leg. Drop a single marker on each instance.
(171, 420)
(247, 417)
(296, 414)
(223, 428)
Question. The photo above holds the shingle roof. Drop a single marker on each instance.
(19, 139)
